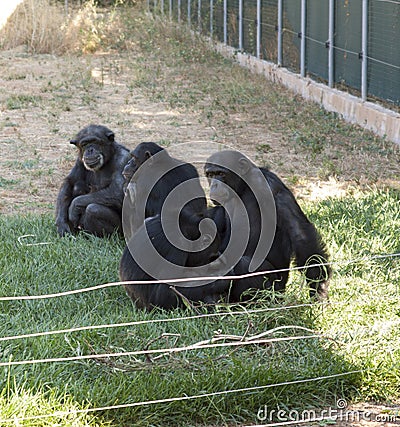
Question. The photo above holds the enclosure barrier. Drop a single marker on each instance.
(333, 45)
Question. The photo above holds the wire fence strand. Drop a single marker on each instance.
(177, 399)
(208, 344)
(166, 320)
(155, 351)
(182, 281)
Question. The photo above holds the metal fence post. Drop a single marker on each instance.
(279, 27)
(240, 24)
(189, 12)
(179, 11)
(364, 51)
(258, 23)
(170, 10)
(211, 17)
(331, 43)
(303, 38)
(225, 21)
(199, 15)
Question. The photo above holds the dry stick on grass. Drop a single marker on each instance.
(257, 339)
(105, 361)
(163, 335)
(186, 302)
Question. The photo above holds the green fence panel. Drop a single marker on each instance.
(384, 50)
(383, 37)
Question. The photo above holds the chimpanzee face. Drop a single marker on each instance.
(223, 183)
(217, 180)
(139, 155)
(130, 168)
(95, 144)
(93, 155)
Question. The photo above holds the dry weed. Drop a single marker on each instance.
(91, 29)
(44, 27)
(38, 24)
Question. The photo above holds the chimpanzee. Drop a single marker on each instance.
(168, 230)
(239, 185)
(150, 176)
(91, 196)
(138, 156)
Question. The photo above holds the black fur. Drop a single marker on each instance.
(91, 196)
(295, 236)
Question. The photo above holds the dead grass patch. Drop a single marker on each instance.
(44, 26)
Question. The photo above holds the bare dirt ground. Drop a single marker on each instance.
(45, 100)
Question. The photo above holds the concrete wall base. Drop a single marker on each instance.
(380, 120)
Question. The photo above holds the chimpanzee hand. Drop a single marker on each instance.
(63, 229)
(77, 209)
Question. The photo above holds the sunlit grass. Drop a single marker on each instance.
(359, 329)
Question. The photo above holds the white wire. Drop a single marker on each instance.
(176, 399)
(389, 1)
(174, 319)
(397, 67)
(174, 350)
(25, 236)
(154, 351)
(194, 279)
(167, 320)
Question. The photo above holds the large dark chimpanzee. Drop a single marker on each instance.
(91, 196)
(234, 180)
(164, 196)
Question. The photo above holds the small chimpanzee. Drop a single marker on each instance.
(168, 231)
(91, 196)
(240, 187)
(150, 176)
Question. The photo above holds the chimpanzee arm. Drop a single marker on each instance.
(305, 241)
(66, 196)
(110, 193)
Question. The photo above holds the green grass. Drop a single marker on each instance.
(359, 331)
(7, 183)
(17, 102)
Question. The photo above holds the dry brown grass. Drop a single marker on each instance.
(38, 24)
(44, 27)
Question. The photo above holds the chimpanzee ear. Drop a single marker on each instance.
(244, 165)
(74, 142)
(110, 136)
(148, 157)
